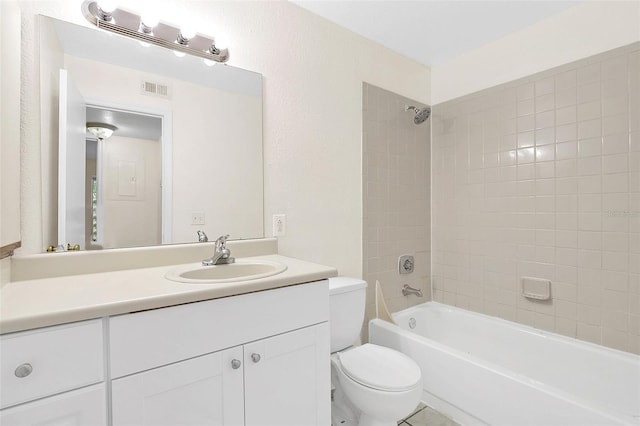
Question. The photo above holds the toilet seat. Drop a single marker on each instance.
(380, 368)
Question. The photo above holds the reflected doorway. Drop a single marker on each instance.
(123, 181)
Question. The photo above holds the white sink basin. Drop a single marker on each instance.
(241, 270)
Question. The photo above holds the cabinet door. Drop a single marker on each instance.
(287, 379)
(86, 406)
(206, 390)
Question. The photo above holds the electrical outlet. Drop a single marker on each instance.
(197, 218)
(279, 225)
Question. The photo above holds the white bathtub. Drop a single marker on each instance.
(483, 370)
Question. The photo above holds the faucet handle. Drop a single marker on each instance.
(202, 237)
(222, 240)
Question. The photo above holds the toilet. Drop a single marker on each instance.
(374, 385)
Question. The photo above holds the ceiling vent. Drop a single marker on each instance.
(155, 89)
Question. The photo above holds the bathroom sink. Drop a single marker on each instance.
(241, 270)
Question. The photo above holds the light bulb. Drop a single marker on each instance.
(107, 6)
(148, 23)
(187, 32)
(221, 42)
(179, 54)
(209, 62)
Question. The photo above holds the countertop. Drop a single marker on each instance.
(34, 303)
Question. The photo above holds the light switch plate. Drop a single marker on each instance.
(197, 218)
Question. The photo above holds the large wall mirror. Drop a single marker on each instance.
(142, 147)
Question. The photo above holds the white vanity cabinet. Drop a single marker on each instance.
(53, 376)
(256, 359)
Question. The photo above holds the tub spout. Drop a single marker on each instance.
(407, 290)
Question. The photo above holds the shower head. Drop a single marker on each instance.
(421, 114)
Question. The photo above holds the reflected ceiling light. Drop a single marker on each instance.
(105, 15)
(101, 131)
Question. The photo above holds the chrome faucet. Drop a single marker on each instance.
(221, 254)
(202, 237)
(407, 290)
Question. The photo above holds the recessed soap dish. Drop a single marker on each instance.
(536, 288)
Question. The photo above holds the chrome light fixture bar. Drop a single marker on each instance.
(130, 24)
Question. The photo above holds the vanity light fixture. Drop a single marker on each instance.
(147, 30)
(101, 131)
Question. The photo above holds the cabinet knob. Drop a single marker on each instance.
(235, 364)
(23, 370)
(255, 357)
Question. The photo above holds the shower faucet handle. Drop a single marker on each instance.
(406, 264)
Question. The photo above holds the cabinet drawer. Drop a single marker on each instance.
(46, 361)
(146, 340)
(81, 407)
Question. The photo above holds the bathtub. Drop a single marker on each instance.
(483, 370)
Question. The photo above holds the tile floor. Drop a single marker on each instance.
(427, 416)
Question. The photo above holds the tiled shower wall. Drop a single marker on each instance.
(540, 177)
(396, 179)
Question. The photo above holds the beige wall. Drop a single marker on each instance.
(9, 131)
(9, 123)
(396, 194)
(313, 72)
(540, 177)
(580, 31)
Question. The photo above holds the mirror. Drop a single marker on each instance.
(185, 153)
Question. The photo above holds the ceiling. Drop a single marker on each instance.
(129, 124)
(432, 31)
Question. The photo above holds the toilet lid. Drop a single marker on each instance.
(380, 368)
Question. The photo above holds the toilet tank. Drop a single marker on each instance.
(347, 298)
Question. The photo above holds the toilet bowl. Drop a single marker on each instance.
(374, 385)
(380, 385)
